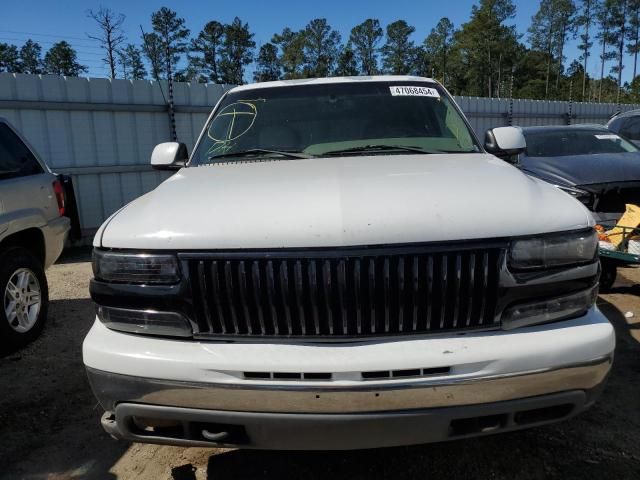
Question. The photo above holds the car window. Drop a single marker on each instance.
(565, 142)
(16, 160)
(630, 128)
(318, 119)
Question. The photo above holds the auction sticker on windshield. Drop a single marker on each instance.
(409, 91)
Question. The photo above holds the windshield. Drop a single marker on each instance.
(562, 143)
(356, 118)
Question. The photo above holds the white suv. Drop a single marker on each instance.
(339, 265)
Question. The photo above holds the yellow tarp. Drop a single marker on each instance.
(630, 219)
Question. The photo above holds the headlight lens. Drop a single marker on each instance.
(148, 322)
(557, 250)
(549, 310)
(138, 268)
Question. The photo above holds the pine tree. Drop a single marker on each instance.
(61, 59)
(437, 46)
(130, 59)
(485, 46)
(155, 53)
(31, 58)
(208, 45)
(347, 65)
(584, 22)
(399, 52)
(634, 34)
(268, 67)
(172, 35)
(321, 44)
(9, 58)
(236, 52)
(366, 38)
(292, 55)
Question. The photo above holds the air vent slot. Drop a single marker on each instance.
(311, 376)
(406, 373)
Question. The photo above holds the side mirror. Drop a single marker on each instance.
(169, 156)
(505, 142)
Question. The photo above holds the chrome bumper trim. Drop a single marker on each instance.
(111, 389)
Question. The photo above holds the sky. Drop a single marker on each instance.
(47, 21)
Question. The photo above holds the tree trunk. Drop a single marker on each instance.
(562, 39)
(635, 46)
(586, 47)
(621, 45)
(604, 51)
(549, 60)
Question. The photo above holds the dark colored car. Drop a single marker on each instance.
(598, 167)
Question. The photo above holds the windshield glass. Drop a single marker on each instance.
(562, 143)
(355, 118)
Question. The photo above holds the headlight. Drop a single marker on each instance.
(568, 248)
(549, 310)
(136, 268)
(148, 322)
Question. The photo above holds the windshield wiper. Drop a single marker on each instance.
(257, 152)
(383, 148)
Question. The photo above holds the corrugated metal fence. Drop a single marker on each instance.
(102, 131)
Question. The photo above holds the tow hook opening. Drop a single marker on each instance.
(185, 430)
(555, 412)
(486, 424)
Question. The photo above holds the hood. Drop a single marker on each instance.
(355, 200)
(574, 170)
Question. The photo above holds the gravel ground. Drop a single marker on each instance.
(49, 420)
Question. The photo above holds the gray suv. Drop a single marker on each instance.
(33, 230)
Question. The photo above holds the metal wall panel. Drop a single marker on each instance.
(102, 131)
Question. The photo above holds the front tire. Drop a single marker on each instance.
(24, 298)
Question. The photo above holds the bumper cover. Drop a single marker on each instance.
(294, 417)
(290, 431)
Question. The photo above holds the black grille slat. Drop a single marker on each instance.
(342, 294)
(357, 295)
(298, 286)
(429, 296)
(271, 293)
(217, 296)
(472, 279)
(284, 295)
(385, 285)
(255, 286)
(202, 283)
(456, 292)
(229, 289)
(367, 294)
(313, 295)
(444, 287)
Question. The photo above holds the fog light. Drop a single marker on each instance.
(549, 310)
(149, 322)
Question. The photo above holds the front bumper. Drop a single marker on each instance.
(495, 380)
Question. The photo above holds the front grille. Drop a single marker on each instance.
(322, 294)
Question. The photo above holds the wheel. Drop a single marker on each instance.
(25, 298)
(607, 276)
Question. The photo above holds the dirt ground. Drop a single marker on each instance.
(49, 420)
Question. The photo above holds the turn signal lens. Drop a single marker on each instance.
(550, 310)
(146, 322)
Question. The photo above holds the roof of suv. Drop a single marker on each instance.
(321, 81)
